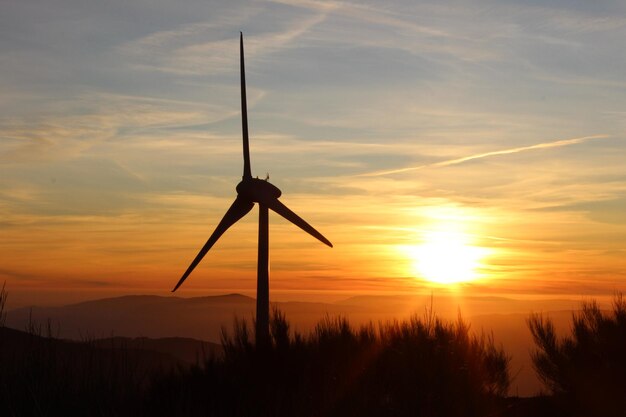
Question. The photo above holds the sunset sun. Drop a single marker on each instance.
(446, 257)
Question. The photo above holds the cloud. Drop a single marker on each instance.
(185, 51)
(545, 145)
(70, 127)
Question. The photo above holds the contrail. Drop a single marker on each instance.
(545, 145)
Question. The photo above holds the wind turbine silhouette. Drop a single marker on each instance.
(249, 191)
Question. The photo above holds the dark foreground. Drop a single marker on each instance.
(421, 367)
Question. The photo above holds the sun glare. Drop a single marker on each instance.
(446, 257)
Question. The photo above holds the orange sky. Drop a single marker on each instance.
(377, 250)
(421, 143)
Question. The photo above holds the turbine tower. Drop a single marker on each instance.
(249, 191)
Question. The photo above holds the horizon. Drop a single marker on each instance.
(329, 298)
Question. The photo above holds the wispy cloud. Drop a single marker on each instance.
(544, 145)
(369, 14)
(185, 51)
(72, 127)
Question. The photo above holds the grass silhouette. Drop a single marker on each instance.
(3, 302)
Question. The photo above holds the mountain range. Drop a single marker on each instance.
(186, 329)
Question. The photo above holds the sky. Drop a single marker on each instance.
(432, 142)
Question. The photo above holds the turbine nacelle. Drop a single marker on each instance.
(257, 190)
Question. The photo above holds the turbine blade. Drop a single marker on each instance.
(244, 114)
(283, 210)
(237, 210)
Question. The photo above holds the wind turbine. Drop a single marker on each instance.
(249, 191)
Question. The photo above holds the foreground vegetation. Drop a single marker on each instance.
(585, 371)
(420, 367)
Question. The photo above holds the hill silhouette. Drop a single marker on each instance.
(202, 318)
(336, 370)
(423, 365)
(184, 349)
(139, 315)
(17, 345)
(43, 375)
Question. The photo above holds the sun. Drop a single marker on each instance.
(446, 257)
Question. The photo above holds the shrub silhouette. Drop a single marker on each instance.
(420, 367)
(586, 371)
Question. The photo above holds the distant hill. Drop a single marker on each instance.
(157, 317)
(139, 316)
(17, 345)
(137, 320)
(190, 351)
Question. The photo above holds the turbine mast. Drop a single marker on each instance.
(262, 332)
(244, 114)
